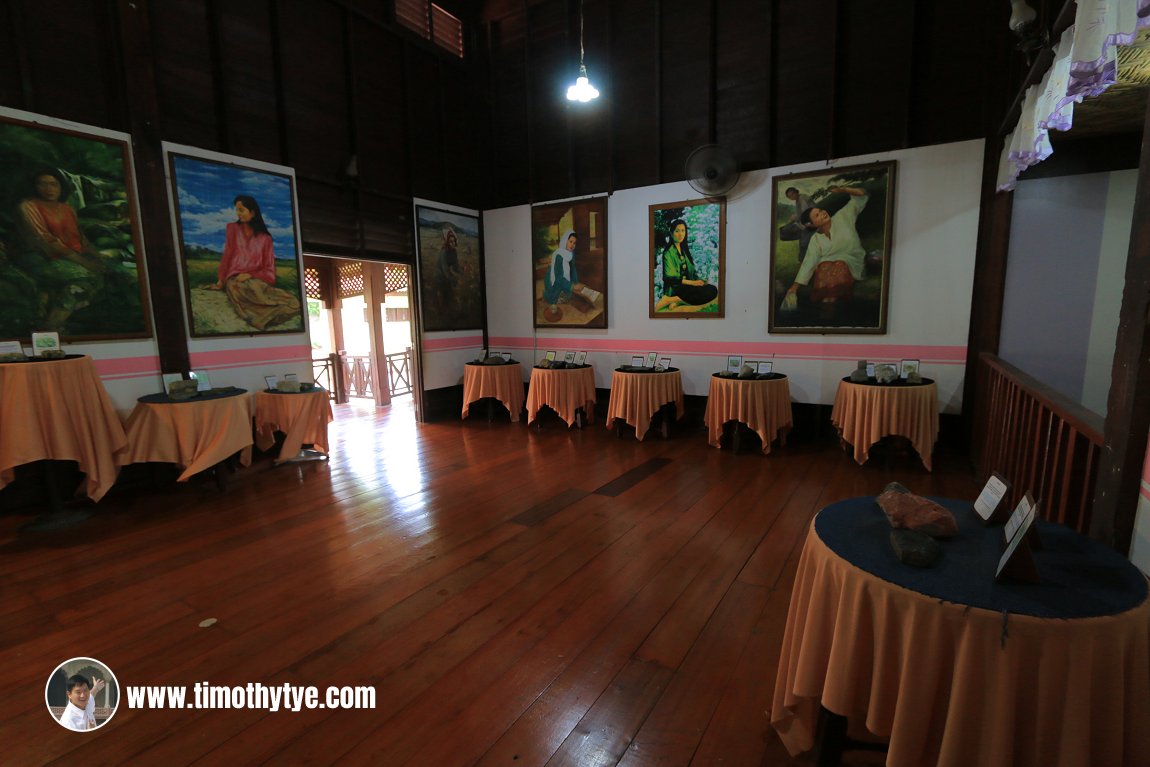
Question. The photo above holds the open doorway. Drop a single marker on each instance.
(362, 336)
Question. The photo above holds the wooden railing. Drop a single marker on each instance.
(399, 372)
(326, 372)
(1038, 440)
(360, 380)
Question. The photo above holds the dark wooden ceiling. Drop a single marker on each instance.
(314, 83)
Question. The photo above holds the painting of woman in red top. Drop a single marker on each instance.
(68, 272)
(247, 272)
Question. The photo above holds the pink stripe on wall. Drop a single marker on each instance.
(127, 367)
(954, 355)
(242, 358)
(451, 344)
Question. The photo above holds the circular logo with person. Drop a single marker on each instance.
(82, 694)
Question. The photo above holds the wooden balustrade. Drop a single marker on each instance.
(1038, 440)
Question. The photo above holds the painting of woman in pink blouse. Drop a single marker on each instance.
(247, 272)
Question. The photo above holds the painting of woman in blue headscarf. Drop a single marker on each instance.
(569, 263)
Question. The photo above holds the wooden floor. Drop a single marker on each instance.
(516, 596)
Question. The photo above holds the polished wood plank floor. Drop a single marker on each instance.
(516, 596)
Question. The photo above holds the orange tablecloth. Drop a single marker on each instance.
(865, 414)
(59, 410)
(763, 405)
(302, 417)
(503, 382)
(195, 435)
(956, 686)
(635, 397)
(564, 391)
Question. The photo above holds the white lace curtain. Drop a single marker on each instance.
(1084, 65)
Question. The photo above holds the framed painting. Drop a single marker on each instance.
(238, 237)
(71, 251)
(688, 258)
(569, 264)
(450, 259)
(830, 250)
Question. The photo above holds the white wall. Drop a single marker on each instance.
(932, 272)
(1108, 288)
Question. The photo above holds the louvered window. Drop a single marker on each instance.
(431, 22)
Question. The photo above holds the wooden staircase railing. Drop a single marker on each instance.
(1038, 440)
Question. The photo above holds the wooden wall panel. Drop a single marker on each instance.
(314, 69)
(13, 68)
(388, 228)
(425, 113)
(510, 180)
(589, 124)
(381, 117)
(185, 85)
(686, 90)
(743, 79)
(634, 65)
(804, 84)
(553, 50)
(73, 67)
(873, 95)
(248, 87)
(966, 69)
(464, 139)
(329, 221)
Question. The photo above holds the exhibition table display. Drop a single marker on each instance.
(763, 404)
(195, 434)
(637, 396)
(57, 409)
(565, 390)
(501, 382)
(955, 668)
(865, 413)
(302, 416)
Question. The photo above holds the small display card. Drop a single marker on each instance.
(1022, 511)
(569, 357)
(908, 367)
(581, 358)
(45, 342)
(652, 357)
(734, 363)
(665, 363)
(990, 497)
(292, 377)
(765, 367)
(550, 356)
(636, 361)
(203, 382)
(870, 370)
(169, 379)
(1017, 560)
(11, 347)
(271, 381)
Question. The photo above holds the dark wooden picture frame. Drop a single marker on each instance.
(228, 214)
(450, 267)
(569, 287)
(688, 237)
(830, 250)
(71, 248)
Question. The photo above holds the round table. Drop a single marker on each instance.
(301, 416)
(501, 382)
(764, 405)
(565, 390)
(955, 669)
(58, 410)
(864, 413)
(195, 434)
(636, 397)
